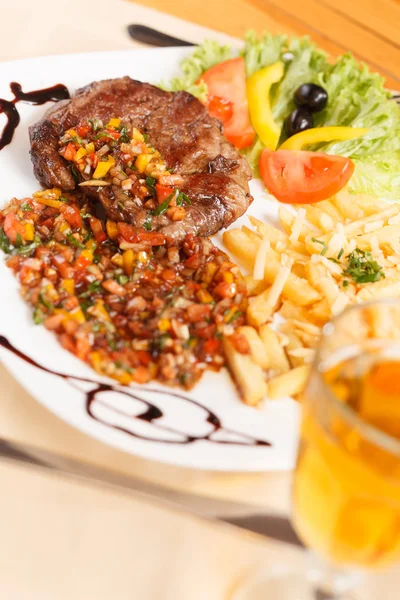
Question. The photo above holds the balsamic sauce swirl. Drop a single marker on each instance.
(36, 97)
(132, 405)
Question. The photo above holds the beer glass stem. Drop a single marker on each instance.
(318, 581)
(330, 582)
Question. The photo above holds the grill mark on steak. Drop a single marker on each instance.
(215, 175)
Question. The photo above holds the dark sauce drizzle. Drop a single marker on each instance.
(151, 414)
(37, 97)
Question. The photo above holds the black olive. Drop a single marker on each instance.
(312, 96)
(299, 120)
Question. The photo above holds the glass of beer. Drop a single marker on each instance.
(346, 487)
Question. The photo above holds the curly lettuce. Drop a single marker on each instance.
(357, 98)
(209, 54)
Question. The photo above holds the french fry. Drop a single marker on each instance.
(287, 220)
(321, 279)
(344, 204)
(384, 288)
(319, 218)
(277, 359)
(261, 309)
(383, 321)
(253, 235)
(291, 383)
(248, 376)
(368, 204)
(290, 310)
(329, 207)
(267, 230)
(294, 343)
(257, 348)
(254, 286)
(245, 250)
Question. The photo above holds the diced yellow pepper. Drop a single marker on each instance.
(123, 377)
(128, 260)
(51, 292)
(88, 254)
(80, 154)
(136, 135)
(29, 232)
(72, 132)
(114, 123)
(99, 311)
(164, 324)
(258, 91)
(112, 229)
(204, 297)
(49, 202)
(117, 260)
(90, 148)
(322, 134)
(64, 226)
(69, 286)
(96, 360)
(227, 276)
(142, 161)
(103, 168)
(49, 197)
(78, 315)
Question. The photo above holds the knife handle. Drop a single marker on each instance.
(152, 37)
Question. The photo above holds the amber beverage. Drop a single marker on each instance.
(347, 481)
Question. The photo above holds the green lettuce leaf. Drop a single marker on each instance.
(204, 57)
(357, 98)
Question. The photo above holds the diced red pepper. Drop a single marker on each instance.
(211, 346)
(68, 151)
(240, 342)
(225, 290)
(72, 215)
(198, 312)
(64, 268)
(98, 231)
(13, 227)
(83, 130)
(141, 375)
(134, 235)
(193, 262)
(205, 332)
(163, 192)
(114, 134)
(82, 262)
(168, 275)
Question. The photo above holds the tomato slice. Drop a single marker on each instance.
(301, 177)
(228, 81)
(220, 108)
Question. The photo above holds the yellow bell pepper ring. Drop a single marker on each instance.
(317, 135)
(258, 90)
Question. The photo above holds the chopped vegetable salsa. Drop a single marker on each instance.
(115, 154)
(115, 296)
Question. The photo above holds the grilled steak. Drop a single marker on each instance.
(215, 176)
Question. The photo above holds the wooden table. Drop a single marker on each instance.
(368, 28)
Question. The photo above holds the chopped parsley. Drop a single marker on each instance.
(75, 174)
(46, 303)
(26, 206)
(235, 316)
(74, 242)
(94, 286)
(324, 246)
(163, 207)
(121, 278)
(124, 135)
(362, 267)
(148, 224)
(151, 185)
(38, 316)
(5, 244)
(182, 200)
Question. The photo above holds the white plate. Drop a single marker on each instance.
(208, 428)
